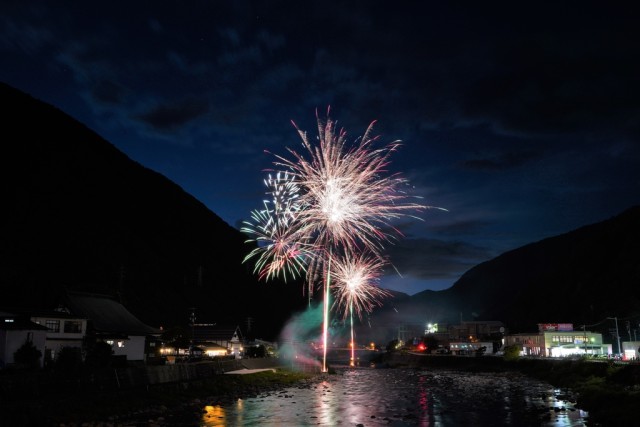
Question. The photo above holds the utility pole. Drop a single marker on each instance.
(617, 334)
(192, 318)
(584, 332)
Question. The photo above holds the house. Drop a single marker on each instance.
(406, 332)
(471, 348)
(472, 331)
(63, 330)
(109, 321)
(15, 330)
(213, 338)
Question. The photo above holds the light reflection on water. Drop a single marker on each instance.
(405, 397)
(214, 416)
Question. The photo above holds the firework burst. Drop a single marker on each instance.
(280, 249)
(356, 277)
(346, 201)
(355, 286)
(332, 199)
(284, 192)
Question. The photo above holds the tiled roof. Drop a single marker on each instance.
(107, 315)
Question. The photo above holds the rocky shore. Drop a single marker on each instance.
(167, 405)
(607, 390)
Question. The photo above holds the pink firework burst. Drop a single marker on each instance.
(355, 283)
(346, 200)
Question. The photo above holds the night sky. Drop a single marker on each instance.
(522, 119)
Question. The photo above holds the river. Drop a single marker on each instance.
(405, 397)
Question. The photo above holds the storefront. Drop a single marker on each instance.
(559, 340)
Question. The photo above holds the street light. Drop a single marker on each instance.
(617, 334)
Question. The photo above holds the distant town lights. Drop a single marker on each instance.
(432, 328)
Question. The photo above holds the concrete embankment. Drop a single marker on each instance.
(132, 377)
(187, 372)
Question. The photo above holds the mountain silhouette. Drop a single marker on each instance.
(81, 215)
(580, 277)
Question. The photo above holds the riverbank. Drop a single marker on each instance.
(608, 391)
(162, 405)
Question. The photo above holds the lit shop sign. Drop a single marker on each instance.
(567, 327)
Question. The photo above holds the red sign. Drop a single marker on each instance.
(563, 327)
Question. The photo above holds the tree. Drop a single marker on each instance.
(431, 342)
(512, 352)
(98, 354)
(480, 351)
(27, 355)
(256, 351)
(69, 361)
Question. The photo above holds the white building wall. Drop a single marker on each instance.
(132, 348)
(630, 350)
(58, 340)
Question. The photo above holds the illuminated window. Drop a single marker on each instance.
(120, 344)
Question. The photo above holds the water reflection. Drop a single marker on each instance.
(214, 416)
(406, 397)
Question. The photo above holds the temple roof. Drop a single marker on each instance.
(107, 315)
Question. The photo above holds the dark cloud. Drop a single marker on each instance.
(460, 227)
(108, 92)
(435, 259)
(502, 161)
(555, 77)
(170, 117)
